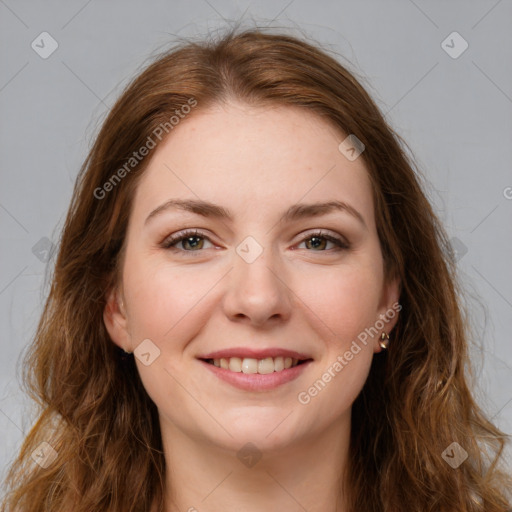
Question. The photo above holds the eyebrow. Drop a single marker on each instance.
(294, 212)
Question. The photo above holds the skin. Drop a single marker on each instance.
(256, 162)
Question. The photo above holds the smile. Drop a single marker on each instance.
(251, 365)
(256, 370)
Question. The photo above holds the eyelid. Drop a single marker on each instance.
(340, 241)
(175, 238)
(329, 235)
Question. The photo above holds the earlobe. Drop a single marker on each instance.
(388, 312)
(115, 319)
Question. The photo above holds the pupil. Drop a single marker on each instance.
(318, 242)
(192, 244)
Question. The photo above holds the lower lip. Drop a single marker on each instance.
(256, 381)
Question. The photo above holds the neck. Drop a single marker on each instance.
(305, 475)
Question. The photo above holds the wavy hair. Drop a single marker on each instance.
(93, 409)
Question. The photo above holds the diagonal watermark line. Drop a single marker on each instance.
(414, 86)
(218, 281)
(481, 222)
(221, 482)
(14, 76)
(75, 15)
(485, 15)
(280, 423)
(286, 491)
(81, 81)
(12, 422)
(13, 13)
(306, 193)
(492, 81)
(334, 334)
(199, 403)
(424, 14)
(501, 409)
(111, 91)
(245, 12)
(280, 12)
(13, 279)
(492, 286)
(165, 165)
(215, 10)
(14, 218)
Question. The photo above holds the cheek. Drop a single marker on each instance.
(343, 302)
(163, 297)
(332, 393)
(344, 299)
(168, 304)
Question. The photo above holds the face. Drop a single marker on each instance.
(250, 276)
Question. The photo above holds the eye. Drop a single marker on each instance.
(193, 240)
(190, 240)
(319, 240)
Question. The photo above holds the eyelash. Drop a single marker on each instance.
(172, 240)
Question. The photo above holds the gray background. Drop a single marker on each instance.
(455, 114)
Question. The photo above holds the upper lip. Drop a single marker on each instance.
(243, 352)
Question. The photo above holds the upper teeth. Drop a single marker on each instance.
(250, 365)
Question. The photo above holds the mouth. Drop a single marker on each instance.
(257, 370)
(251, 365)
(262, 372)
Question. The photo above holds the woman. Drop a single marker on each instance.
(254, 307)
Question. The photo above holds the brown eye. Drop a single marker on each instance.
(193, 242)
(318, 242)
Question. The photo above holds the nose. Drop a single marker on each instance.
(257, 292)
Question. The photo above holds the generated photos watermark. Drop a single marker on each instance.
(137, 156)
(342, 360)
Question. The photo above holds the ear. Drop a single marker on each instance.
(389, 309)
(116, 321)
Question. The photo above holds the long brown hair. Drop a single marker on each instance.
(94, 410)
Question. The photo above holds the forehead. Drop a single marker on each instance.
(258, 159)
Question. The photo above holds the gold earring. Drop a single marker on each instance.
(384, 341)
